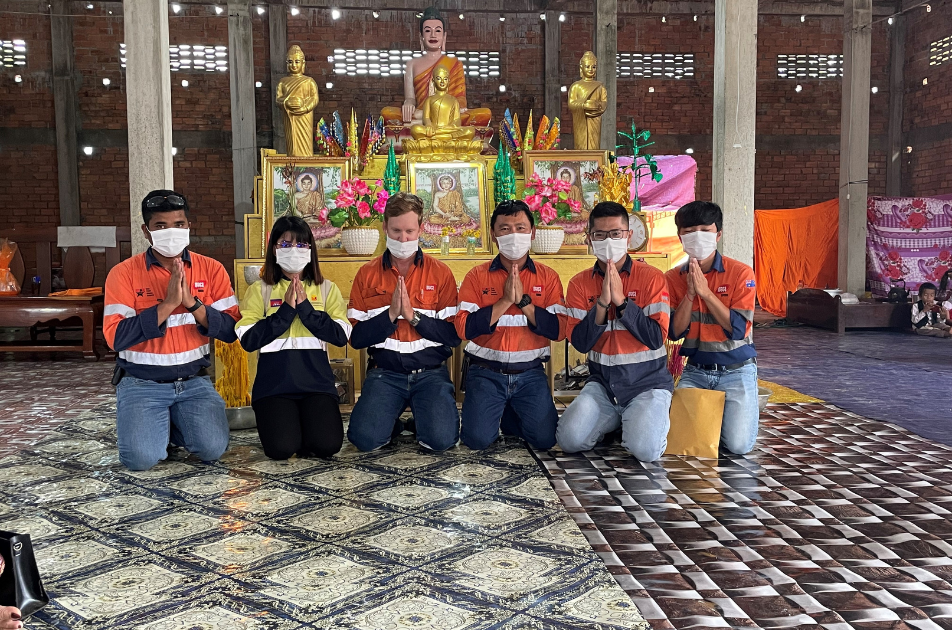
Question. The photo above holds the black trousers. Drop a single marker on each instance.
(309, 426)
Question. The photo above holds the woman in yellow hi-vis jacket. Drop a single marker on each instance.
(290, 316)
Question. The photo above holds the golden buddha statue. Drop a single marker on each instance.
(587, 102)
(417, 82)
(297, 96)
(441, 117)
(441, 135)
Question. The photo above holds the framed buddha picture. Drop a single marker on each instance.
(454, 203)
(572, 167)
(304, 187)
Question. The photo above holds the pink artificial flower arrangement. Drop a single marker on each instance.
(357, 203)
(549, 200)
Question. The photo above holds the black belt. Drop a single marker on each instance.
(181, 378)
(715, 367)
(426, 369)
(499, 370)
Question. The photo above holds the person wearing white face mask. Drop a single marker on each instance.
(618, 313)
(290, 316)
(714, 299)
(510, 310)
(161, 310)
(402, 306)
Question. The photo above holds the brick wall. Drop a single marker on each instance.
(677, 112)
(928, 169)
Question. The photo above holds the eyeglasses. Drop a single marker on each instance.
(175, 201)
(287, 244)
(599, 235)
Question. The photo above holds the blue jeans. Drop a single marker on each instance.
(487, 393)
(149, 415)
(385, 394)
(644, 422)
(741, 412)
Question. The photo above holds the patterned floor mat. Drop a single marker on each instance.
(396, 539)
(834, 521)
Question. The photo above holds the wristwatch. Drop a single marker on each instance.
(416, 319)
(198, 304)
(621, 307)
(525, 301)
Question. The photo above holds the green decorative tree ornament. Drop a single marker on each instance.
(639, 141)
(391, 176)
(505, 184)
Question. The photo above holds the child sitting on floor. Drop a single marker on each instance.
(928, 318)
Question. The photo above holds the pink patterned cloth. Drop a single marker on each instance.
(908, 238)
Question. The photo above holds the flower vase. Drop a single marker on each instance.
(360, 240)
(471, 246)
(548, 239)
(445, 246)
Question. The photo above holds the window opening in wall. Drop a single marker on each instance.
(12, 53)
(191, 58)
(391, 63)
(632, 65)
(940, 52)
(811, 66)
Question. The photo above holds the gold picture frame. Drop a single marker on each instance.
(576, 163)
(457, 187)
(312, 179)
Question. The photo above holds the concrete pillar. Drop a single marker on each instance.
(553, 80)
(735, 118)
(278, 32)
(606, 50)
(148, 105)
(897, 88)
(66, 111)
(854, 145)
(244, 148)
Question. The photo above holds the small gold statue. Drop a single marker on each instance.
(297, 96)
(441, 119)
(441, 132)
(587, 102)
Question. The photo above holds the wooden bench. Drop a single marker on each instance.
(818, 308)
(52, 312)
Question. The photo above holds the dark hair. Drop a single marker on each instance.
(431, 13)
(272, 273)
(403, 203)
(605, 210)
(699, 213)
(147, 213)
(925, 286)
(944, 282)
(510, 208)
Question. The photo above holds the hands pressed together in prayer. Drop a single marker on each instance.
(513, 290)
(295, 294)
(178, 294)
(697, 283)
(400, 305)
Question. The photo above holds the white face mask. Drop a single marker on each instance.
(169, 242)
(699, 245)
(400, 249)
(293, 259)
(514, 246)
(611, 249)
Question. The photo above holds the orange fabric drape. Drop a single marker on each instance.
(794, 246)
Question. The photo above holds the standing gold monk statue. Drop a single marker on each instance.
(587, 102)
(297, 96)
(441, 115)
(417, 81)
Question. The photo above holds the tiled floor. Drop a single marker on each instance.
(892, 376)
(395, 539)
(833, 521)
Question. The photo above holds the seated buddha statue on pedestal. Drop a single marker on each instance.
(440, 133)
(418, 80)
